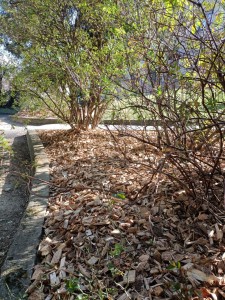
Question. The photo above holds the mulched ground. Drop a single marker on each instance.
(107, 237)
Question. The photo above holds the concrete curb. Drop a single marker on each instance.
(17, 269)
(38, 122)
(35, 121)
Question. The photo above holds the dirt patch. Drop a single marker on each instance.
(14, 191)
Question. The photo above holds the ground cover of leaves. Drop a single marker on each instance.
(107, 237)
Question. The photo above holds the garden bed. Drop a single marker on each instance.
(112, 233)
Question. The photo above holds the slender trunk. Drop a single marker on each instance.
(1, 83)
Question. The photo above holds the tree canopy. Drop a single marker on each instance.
(70, 51)
(77, 55)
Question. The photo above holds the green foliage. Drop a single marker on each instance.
(114, 270)
(68, 67)
(181, 288)
(118, 249)
(182, 291)
(72, 285)
(4, 144)
(120, 195)
(174, 265)
(82, 297)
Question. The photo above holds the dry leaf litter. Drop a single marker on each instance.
(105, 240)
